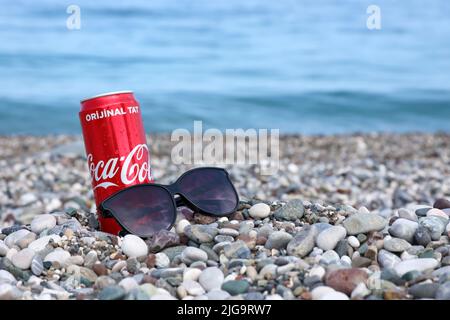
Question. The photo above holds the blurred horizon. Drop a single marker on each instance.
(307, 67)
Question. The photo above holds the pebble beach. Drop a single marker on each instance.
(362, 216)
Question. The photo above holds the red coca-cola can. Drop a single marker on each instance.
(116, 148)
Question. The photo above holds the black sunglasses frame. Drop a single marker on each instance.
(172, 190)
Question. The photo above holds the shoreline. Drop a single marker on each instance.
(341, 207)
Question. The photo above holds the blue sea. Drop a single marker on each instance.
(309, 66)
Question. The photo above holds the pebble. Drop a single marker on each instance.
(133, 246)
(201, 233)
(37, 265)
(162, 239)
(3, 249)
(8, 292)
(103, 282)
(193, 288)
(360, 291)
(353, 241)
(128, 284)
(100, 269)
(7, 277)
(422, 236)
(12, 238)
(181, 225)
(437, 213)
(42, 222)
(58, 255)
(211, 279)
(162, 260)
(191, 274)
(23, 258)
(334, 296)
(317, 271)
(321, 291)
(113, 292)
(345, 280)
(25, 241)
(259, 211)
(396, 245)
(363, 223)
(420, 265)
(269, 271)
(278, 240)
(434, 225)
(235, 287)
(387, 259)
(404, 229)
(407, 214)
(217, 295)
(303, 242)
(40, 244)
(328, 239)
(441, 203)
(229, 232)
(192, 254)
(291, 211)
(329, 257)
(424, 290)
(27, 198)
(443, 292)
(90, 258)
(237, 250)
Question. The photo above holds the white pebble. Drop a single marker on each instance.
(23, 258)
(42, 222)
(328, 238)
(334, 296)
(347, 260)
(360, 291)
(162, 260)
(259, 211)
(133, 246)
(191, 274)
(181, 225)
(353, 241)
(58, 255)
(39, 244)
(317, 271)
(128, 284)
(318, 292)
(193, 288)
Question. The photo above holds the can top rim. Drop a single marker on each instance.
(106, 94)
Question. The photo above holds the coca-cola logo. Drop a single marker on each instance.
(130, 169)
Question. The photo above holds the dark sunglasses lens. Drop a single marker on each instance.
(210, 190)
(143, 210)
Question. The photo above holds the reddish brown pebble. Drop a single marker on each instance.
(100, 269)
(249, 241)
(237, 216)
(150, 261)
(184, 239)
(149, 279)
(441, 204)
(345, 280)
(203, 219)
(306, 295)
(261, 241)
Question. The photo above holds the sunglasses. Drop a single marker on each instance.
(144, 209)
